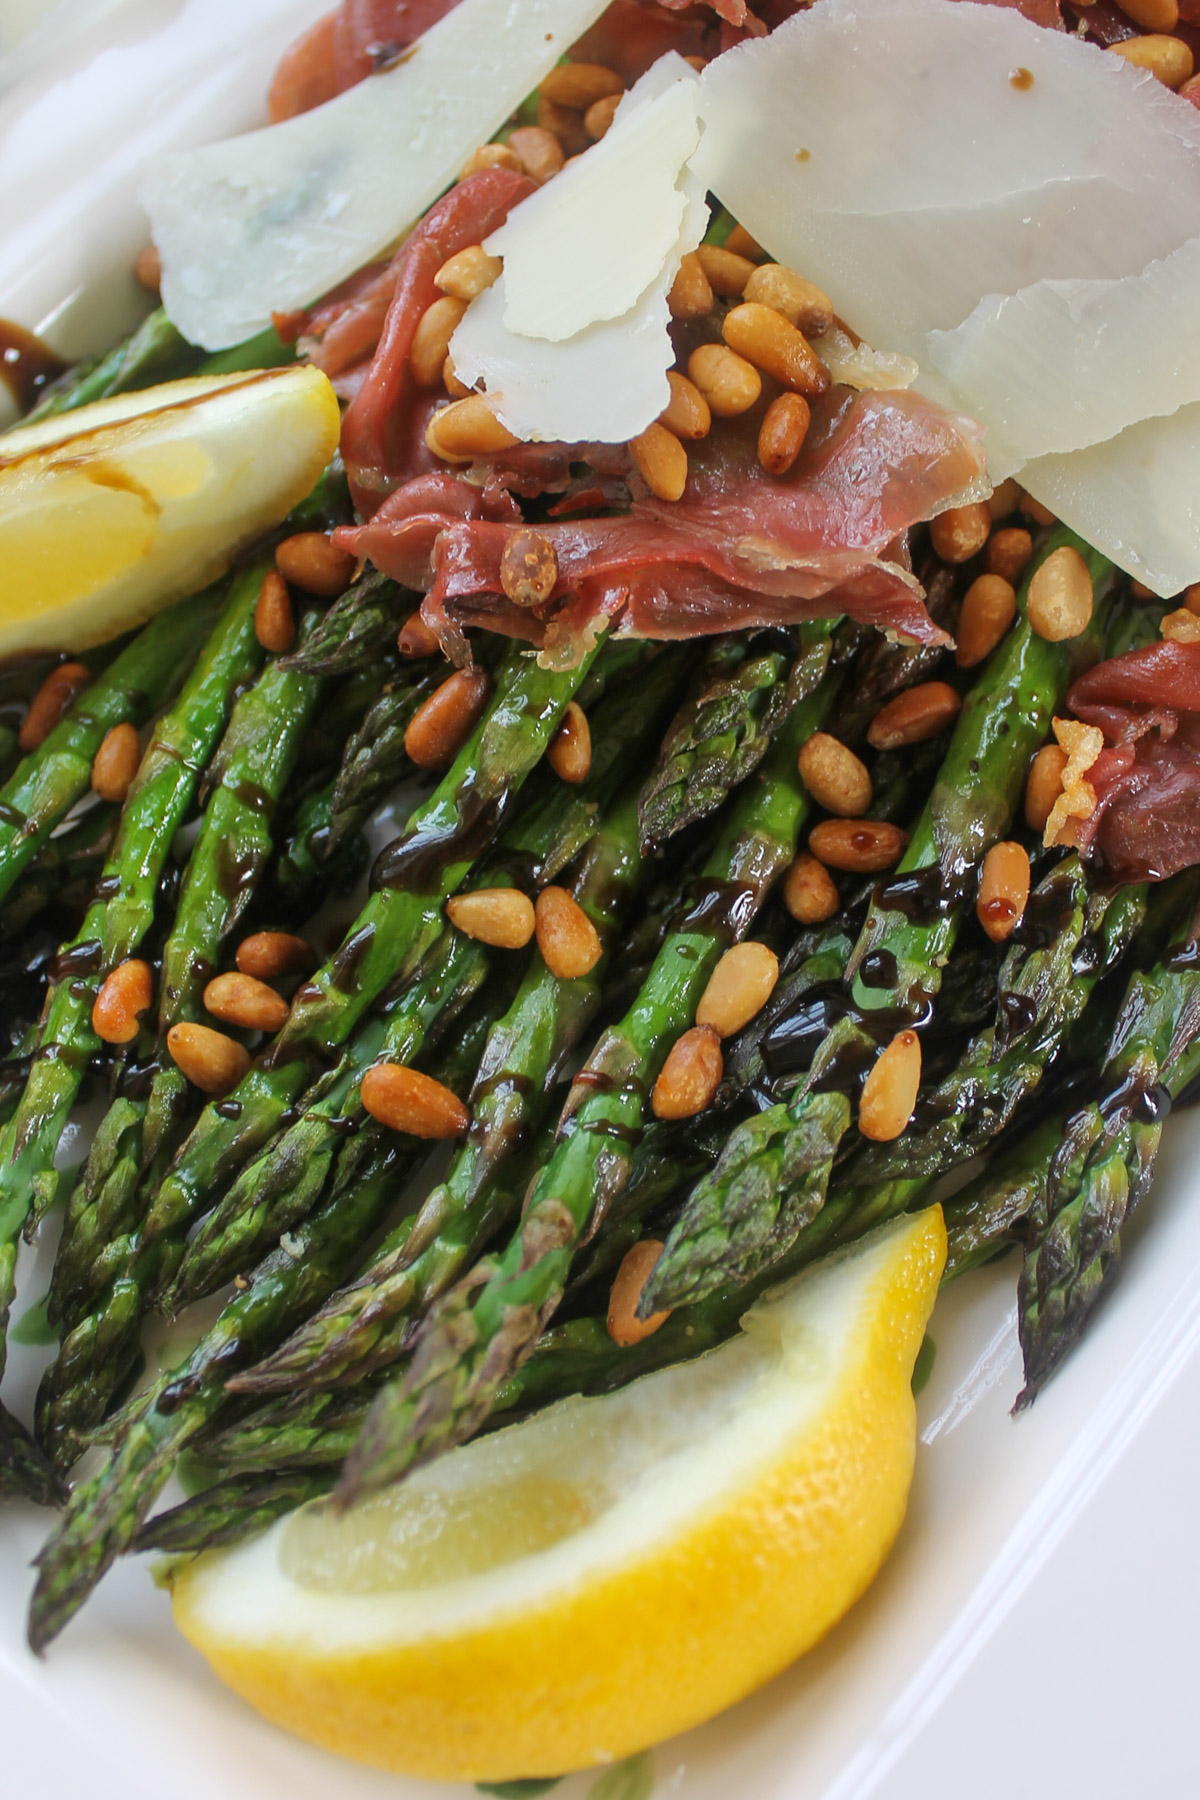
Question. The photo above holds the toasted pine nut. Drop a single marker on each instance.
(765, 338)
(727, 272)
(405, 1100)
(834, 776)
(147, 270)
(570, 750)
(1190, 90)
(274, 621)
(1033, 509)
(61, 688)
(438, 729)
(1003, 890)
(311, 562)
(988, 610)
(782, 433)
(738, 988)
(1043, 785)
(569, 942)
(1191, 597)
(690, 1076)
(468, 273)
(739, 239)
(918, 713)
(961, 531)
(502, 917)
(457, 390)
(243, 1000)
(809, 891)
(417, 639)
(528, 567)
(728, 382)
(537, 150)
(123, 997)
(431, 340)
(1008, 552)
(661, 462)
(1181, 627)
(690, 297)
(687, 413)
(580, 84)
(566, 124)
(637, 1266)
(1140, 591)
(1167, 58)
(211, 1061)
(600, 115)
(857, 846)
(490, 156)
(1152, 15)
(466, 429)
(269, 954)
(890, 1090)
(1060, 595)
(1004, 500)
(798, 300)
(116, 763)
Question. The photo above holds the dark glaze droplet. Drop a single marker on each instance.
(418, 861)
(75, 960)
(919, 896)
(724, 908)
(26, 364)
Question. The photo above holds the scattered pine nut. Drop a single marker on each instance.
(1168, 58)
(431, 340)
(58, 692)
(728, 382)
(502, 917)
(766, 339)
(490, 156)
(600, 115)
(726, 271)
(1181, 626)
(116, 763)
(440, 727)
(637, 1266)
(1191, 598)
(538, 151)
(661, 462)
(528, 567)
(690, 297)
(210, 1061)
(738, 988)
(687, 413)
(961, 531)
(147, 270)
(1043, 785)
(913, 716)
(405, 1100)
(569, 942)
(457, 390)
(690, 1076)
(311, 562)
(466, 429)
(416, 639)
(570, 750)
(890, 1090)
(267, 955)
(798, 300)
(1152, 15)
(809, 891)
(1060, 596)
(739, 239)
(834, 776)
(468, 273)
(1077, 802)
(1005, 499)
(988, 610)
(244, 1001)
(566, 124)
(1033, 509)
(857, 846)
(1008, 552)
(1003, 890)
(579, 85)
(123, 998)
(274, 621)
(782, 433)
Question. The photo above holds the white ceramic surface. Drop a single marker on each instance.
(1033, 1631)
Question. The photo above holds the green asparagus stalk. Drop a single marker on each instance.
(60, 881)
(230, 1511)
(358, 627)
(985, 1217)
(25, 1473)
(375, 759)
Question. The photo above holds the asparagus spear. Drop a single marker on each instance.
(357, 628)
(985, 1216)
(375, 759)
(230, 1511)
(24, 1472)
(60, 881)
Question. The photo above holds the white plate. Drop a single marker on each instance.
(1032, 1633)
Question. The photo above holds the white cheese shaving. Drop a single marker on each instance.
(861, 367)
(589, 244)
(270, 221)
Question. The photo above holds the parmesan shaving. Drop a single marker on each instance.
(1083, 744)
(861, 367)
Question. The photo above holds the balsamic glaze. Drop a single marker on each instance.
(419, 860)
(26, 364)
(919, 896)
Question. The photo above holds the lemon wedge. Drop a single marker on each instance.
(111, 512)
(611, 1571)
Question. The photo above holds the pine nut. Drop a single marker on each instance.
(738, 988)
(600, 115)
(1008, 553)
(739, 239)
(834, 776)
(537, 150)
(727, 272)
(661, 462)
(798, 300)
(809, 891)
(416, 639)
(1191, 597)
(765, 338)
(245, 1001)
(917, 714)
(211, 1061)
(502, 917)
(431, 340)
(579, 85)
(687, 412)
(1181, 627)
(147, 270)
(466, 429)
(1004, 500)
(1168, 58)
(890, 1090)
(1003, 890)
(728, 382)
(690, 1076)
(637, 1266)
(857, 846)
(1060, 596)
(782, 433)
(490, 156)
(116, 763)
(569, 942)
(309, 561)
(1152, 15)
(565, 123)
(269, 954)
(438, 729)
(1190, 90)
(1043, 785)
(528, 568)
(405, 1100)
(274, 621)
(690, 297)
(467, 274)
(1033, 509)
(988, 610)
(123, 998)
(961, 531)
(570, 750)
(61, 688)
(457, 390)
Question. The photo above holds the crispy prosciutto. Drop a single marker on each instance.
(741, 548)
(1146, 825)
